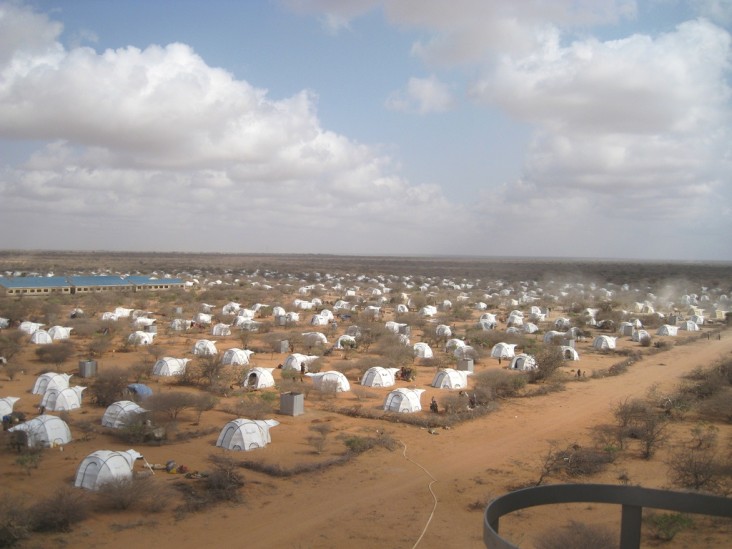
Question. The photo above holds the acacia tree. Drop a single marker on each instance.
(109, 386)
(171, 403)
(548, 359)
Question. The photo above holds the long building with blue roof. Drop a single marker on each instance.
(54, 285)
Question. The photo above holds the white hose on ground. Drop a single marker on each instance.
(429, 486)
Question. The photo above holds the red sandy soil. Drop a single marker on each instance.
(381, 498)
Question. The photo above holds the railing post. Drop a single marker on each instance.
(630, 526)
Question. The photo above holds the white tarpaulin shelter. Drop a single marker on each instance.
(121, 413)
(503, 350)
(204, 347)
(50, 380)
(29, 327)
(169, 366)
(62, 400)
(449, 378)
(604, 342)
(311, 339)
(41, 337)
(259, 378)
(7, 404)
(378, 376)
(236, 356)
(667, 330)
(422, 350)
(330, 381)
(246, 434)
(403, 400)
(104, 466)
(45, 431)
(141, 338)
(523, 362)
(221, 329)
(293, 361)
(59, 332)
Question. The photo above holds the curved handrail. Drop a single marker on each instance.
(632, 498)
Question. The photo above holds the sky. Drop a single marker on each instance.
(540, 128)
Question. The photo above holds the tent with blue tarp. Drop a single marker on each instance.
(139, 389)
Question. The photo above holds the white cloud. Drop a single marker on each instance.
(150, 137)
(423, 96)
(629, 132)
(717, 10)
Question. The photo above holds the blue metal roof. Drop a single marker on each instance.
(35, 282)
(146, 280)
(76, 281)
(98, 281)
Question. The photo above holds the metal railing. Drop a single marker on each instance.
(632, 499)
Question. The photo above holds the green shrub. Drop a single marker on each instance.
(665, 526)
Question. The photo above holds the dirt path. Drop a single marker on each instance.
(383, 500)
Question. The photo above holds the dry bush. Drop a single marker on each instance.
(134, 493)
(499, 384)
(224, 481)
(109, 386)
(577, 535)
(15, 524)
(717, 407)
(57, 353)
(319, 437)
(254, 406)
(58, 513)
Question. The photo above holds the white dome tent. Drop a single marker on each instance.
(7, 404)
(169, 366)
(523, 362)
(450, 378)
(41, 337)
(503, 350)
(59, 332)
(443, 330)
(258, 378)
(121, 413)
(688, 325)
(62, 400)
(105, 466)
(465, 352)
(236, 357)
(378, 376)
(345, 341)
(29, 327)
(141, 338)
(246, 434)
(50, 380)
(205, 347)
(221, 329)
(293, 361)
(667, 330)
(569, 353)
(330, 381)
(45, 431)
(453, 344)
(422, 350)
(604, 342)
(404, 400)
(311, 339)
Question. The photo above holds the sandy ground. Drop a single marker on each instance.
(381, 498)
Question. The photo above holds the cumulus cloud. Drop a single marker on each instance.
(641, 123)
(422, 95)
(134, 139)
